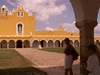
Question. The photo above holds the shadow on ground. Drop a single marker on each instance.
(22, 71)
(59, 70)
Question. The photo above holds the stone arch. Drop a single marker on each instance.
(11, 44)
(43, 43)
(63, 43)
(50, 44)
(3, 44)
(57, 43)
(97, 42)
(84, 7)
(19, 44)
(86, 20)
(76, 43)
(26, 44)
(35, 43)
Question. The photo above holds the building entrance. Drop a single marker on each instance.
(19, 44)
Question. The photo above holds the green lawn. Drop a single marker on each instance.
(12, 63)
(59, 50)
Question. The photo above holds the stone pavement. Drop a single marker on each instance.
(50, 62)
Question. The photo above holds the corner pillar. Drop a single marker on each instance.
(31, 40)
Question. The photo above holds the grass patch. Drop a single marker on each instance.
(12, 59)
(12, 63)
(59, 50)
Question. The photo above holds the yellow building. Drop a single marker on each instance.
(18, 30)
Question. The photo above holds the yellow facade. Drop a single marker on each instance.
(18, 30)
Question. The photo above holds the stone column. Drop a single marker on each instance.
(31, 44)
(30, 40)
(60, 44)
(15, 45)
(46, 45)
(22, 44)
(7, 44)
(86, 37)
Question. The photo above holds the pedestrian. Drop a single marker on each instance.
(92, 65)
(68, 57)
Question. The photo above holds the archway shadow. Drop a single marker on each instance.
(59, 70)
(22, 71)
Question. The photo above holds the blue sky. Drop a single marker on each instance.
(50, 13)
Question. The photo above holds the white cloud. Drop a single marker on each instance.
(65, 15)
(49, 29)
(43, 8)
(10, 2)
(47, 23)
(70, 27)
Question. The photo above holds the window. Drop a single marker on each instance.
(19, 28)
(21, 13)
(18, 13)
(3, 9)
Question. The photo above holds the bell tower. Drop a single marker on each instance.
(4, 11)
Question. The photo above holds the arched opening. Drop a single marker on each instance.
(76, 43)
(26, 44)
(3, 44)
(63, 44)
(11, 44)
(43, 43)
(57, 43)
(19, 28)
(35, 43)
(19, 44)
(97, 42)
(50, 44)
(97, 28)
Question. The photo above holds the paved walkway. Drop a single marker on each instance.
(50, 62)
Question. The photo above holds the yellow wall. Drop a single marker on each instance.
(8, 23)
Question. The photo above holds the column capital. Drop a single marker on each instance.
(86, 24)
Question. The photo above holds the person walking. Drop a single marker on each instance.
(68, 57)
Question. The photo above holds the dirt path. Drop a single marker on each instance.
(50, 62)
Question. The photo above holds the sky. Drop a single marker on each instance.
(50, 13)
